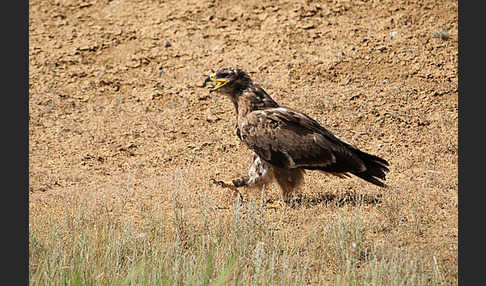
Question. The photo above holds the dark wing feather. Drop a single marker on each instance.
(290, 139)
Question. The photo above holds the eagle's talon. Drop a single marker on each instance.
(277, 204)
(224, 184)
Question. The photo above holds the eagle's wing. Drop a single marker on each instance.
(290, 139)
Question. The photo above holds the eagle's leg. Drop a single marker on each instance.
(259, 174)
(234, 183)
(230, 185)
(289, 181)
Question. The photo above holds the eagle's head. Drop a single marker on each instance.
(228, 80)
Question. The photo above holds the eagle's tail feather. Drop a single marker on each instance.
(367, 177)
(376, 167)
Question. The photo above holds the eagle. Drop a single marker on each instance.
(286, 142)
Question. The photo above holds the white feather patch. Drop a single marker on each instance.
(258, 172)
(282, 109)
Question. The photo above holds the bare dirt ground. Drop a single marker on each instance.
(117, 108)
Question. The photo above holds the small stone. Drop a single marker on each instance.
(212, 118)
(340, 56)
(308, 26)
(218, 49)
(443, 36)
(166, 44)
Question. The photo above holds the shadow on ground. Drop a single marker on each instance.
(327, 198)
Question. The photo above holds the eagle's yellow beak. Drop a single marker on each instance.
(212, 78)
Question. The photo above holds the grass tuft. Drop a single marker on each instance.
(90, 246)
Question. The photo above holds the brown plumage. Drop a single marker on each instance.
(287, 142)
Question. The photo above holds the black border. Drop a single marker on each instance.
(471, 121)
(15, 142)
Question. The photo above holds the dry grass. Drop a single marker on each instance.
(340, 239)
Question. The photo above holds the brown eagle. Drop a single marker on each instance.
(286, 142)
